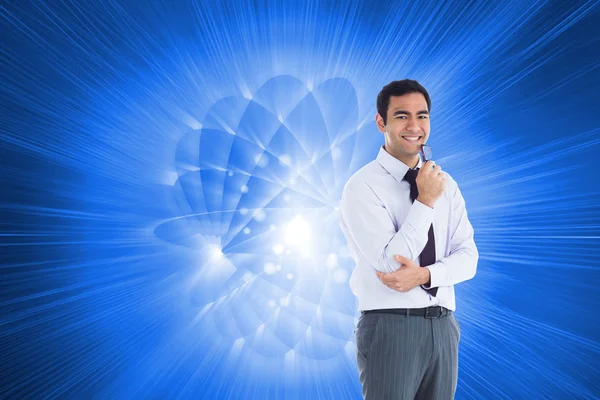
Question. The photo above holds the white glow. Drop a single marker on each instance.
(332, 261)
(278, 249)
(169, 178)
(259, 215)
(297, 233)
(189, 120)
(285, 160)
(290, 360)
(247, 231)
(284, 301)
(244, 189)
(340, 275)
(344, 251)
(336, 153)
(245, 91)
(216, 252)
(270, 268)
(261, 160)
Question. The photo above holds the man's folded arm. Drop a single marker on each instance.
(366, 219)
(461, 264)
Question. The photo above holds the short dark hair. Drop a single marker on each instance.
(399, 88)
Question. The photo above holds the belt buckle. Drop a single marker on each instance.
(429, 316)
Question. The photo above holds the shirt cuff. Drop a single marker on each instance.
(420, 216)
(436, 275)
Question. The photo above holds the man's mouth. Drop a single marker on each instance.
(412, 139)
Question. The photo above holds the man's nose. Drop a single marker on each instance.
(413, 126)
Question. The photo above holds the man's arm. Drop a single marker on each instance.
(365, 218)
(461, 264)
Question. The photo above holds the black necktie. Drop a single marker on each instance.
(428, 254)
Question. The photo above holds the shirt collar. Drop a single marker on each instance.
(392, 165)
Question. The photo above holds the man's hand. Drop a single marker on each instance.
(431, 183)
(407, 277)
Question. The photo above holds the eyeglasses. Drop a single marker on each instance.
(426, 152)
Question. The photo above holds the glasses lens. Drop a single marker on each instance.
(427, 153)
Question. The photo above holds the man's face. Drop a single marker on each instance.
(407, 125)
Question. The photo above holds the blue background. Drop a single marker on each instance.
(154, 153)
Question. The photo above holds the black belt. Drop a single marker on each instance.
(427, 312)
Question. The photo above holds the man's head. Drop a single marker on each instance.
(403, 117)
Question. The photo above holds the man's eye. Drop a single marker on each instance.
(400, 116)
(422, 116)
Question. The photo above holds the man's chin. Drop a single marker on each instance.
(412, 152)
(407, 151)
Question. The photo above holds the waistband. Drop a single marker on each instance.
(426, 312)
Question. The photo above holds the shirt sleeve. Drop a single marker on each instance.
(461, 263)
(368, 224)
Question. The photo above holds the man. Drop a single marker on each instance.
(406, 225)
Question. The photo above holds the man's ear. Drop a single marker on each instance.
(380, 124)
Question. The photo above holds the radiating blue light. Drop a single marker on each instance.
(171, 174)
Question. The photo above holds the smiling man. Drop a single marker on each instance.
(406, 224)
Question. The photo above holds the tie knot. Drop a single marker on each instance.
(411, 176)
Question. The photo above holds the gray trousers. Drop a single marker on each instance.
(402, 358)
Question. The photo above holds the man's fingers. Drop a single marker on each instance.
(428, 166)
(385, 278)
(404, 261)
(388, 284)
(394, 285)
(401, 259)
(431, 167)
(400, 287)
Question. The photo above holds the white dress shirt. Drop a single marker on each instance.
(379, 221)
